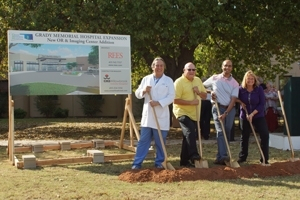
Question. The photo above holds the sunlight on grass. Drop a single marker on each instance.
(100, 181)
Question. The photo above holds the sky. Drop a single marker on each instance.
(65, 51)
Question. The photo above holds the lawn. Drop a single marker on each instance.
(100, 181)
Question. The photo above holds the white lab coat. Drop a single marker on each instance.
(164, 93)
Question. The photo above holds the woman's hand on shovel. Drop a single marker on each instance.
(249, 117)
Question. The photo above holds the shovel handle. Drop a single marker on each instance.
(259, 147)
(286, 125)
(198, 128)
(223, 129)
(159, 131)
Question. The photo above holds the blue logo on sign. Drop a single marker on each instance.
(27, 36)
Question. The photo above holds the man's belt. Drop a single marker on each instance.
(222, 106)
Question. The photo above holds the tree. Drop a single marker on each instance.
(91, 104)
(71, 65)
(94, 56)
(248, 32)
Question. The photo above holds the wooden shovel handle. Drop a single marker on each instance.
(159, 131)
(259, 147)
(223, 129)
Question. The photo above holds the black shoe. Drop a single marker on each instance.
(222, 161)
(206, 137)
(266, 162)
(241, 160)
(217, 162)
(189, 165)
(225, 159)
(195, 157)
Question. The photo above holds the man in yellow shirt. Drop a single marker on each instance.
(184, 109)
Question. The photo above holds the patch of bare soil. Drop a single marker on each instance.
(214, 173)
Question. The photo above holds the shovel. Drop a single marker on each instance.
(199, 163)
(293, 159)
(165, 164)
(231, 163)
(259, 147)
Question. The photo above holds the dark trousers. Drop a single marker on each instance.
(260, 125)
(189, 134)
(205, 117)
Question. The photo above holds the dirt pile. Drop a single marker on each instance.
(213, 173)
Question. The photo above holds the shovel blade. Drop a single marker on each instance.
(167, 166)
(201, 164)
(294, 159)
(170, 166)
(233, 164)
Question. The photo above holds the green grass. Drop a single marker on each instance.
(42, 89)
(100, 181)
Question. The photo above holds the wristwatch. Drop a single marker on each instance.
(226, 113)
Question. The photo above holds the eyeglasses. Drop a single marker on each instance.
(191, 70)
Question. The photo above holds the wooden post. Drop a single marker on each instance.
(11, 143)
(130, 121)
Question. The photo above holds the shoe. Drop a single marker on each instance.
(135, 167)
(195, 157)
(159, 167)
(241, 160)
(225, 159)
(222, 161)
(189, 165)
(266, 162)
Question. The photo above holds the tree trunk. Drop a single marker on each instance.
(175, 66)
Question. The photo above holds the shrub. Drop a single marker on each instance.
(61, 113)
(19, 113)
(3, 103)
(91, 104)
(46, 104)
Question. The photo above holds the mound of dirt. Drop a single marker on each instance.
(213, 173)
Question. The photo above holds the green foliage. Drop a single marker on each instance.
(3, 103)
(61, 113)
(91, 104)
(72, 65)
(248, 33)
(19, 113)
(46, 105)
(94, 56)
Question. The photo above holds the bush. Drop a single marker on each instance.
(3, 103)
(19, 113)
(91, 104)
(61, 113)
(46, 104)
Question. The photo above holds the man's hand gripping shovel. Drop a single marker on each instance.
(165, 164)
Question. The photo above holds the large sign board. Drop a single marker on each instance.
(65, 63)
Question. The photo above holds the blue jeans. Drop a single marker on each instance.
(222, 149)
(144, 145)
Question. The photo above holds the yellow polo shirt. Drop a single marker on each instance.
(184, 90)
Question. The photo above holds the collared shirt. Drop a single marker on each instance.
(163, 92)
(254, 100)
(184, 90)
(223, 87)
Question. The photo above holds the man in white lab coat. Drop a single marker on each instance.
(162, 91)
